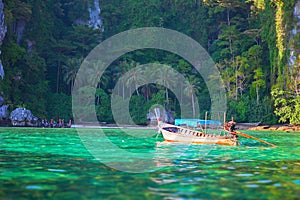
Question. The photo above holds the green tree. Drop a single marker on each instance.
(287, 106)
(70, 70)
(59, 106)
(103, 110)
(135, 77)
(191, 89)
(84, 39)
(295, 77)
(259, 82)
(138, 109)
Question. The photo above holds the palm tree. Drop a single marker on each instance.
(120, 71)
(96, 74)
(135, 77)
(166, 79)
(149, 78)
(70, 69)
(190, 89)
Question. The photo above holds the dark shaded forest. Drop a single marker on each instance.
(254, 43)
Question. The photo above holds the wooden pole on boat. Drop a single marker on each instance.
(205, 122)
(224, 121)
(255, 138)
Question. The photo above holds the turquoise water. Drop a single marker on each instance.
(55, 164)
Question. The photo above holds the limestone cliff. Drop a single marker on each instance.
(2, 33)
(294, 52)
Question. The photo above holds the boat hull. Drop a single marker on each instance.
(195, 137)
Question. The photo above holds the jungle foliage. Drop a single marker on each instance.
(248, 40)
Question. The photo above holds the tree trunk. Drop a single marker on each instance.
(57, 77)
(257, 95)
(236, 83)
(147, 92)
(71, 86)
(167, 95)
(228, 17)
(296, 87)
(193, 106)
(123, 91)
(137, 90)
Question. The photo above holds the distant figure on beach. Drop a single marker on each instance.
(51, 123)
(59, 124)
(69, 123)
(45, 123)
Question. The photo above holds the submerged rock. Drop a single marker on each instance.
(23, 117)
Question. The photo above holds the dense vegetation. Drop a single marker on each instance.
(248, 40)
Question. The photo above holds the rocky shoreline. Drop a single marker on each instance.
(277, 127)
(239, 126)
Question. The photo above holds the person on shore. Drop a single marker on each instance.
(69, 123)
(59, 124)
(45, 123)
(51, 123)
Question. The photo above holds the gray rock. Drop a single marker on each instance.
(3, 109)
(23, 117)
(3, 112)
(1, 101)
(165, 113)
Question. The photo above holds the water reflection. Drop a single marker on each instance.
(55, 165)
(224, 172)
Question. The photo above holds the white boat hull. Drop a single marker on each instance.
(185, 135)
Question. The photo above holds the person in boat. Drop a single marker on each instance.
(230, 126)
(171, 129)
(174, 130)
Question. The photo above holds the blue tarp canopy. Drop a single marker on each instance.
(196, 122)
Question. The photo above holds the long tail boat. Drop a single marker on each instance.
(172, 133)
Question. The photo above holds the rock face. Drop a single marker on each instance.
(282, 128)
(94, 12)
(3, 112)
(1, 101)
(3, 30)
(3, 109)
(94, 20)
(23, 117)
(168, 116)
(4, 120)
(165, 114)
(294, 32)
